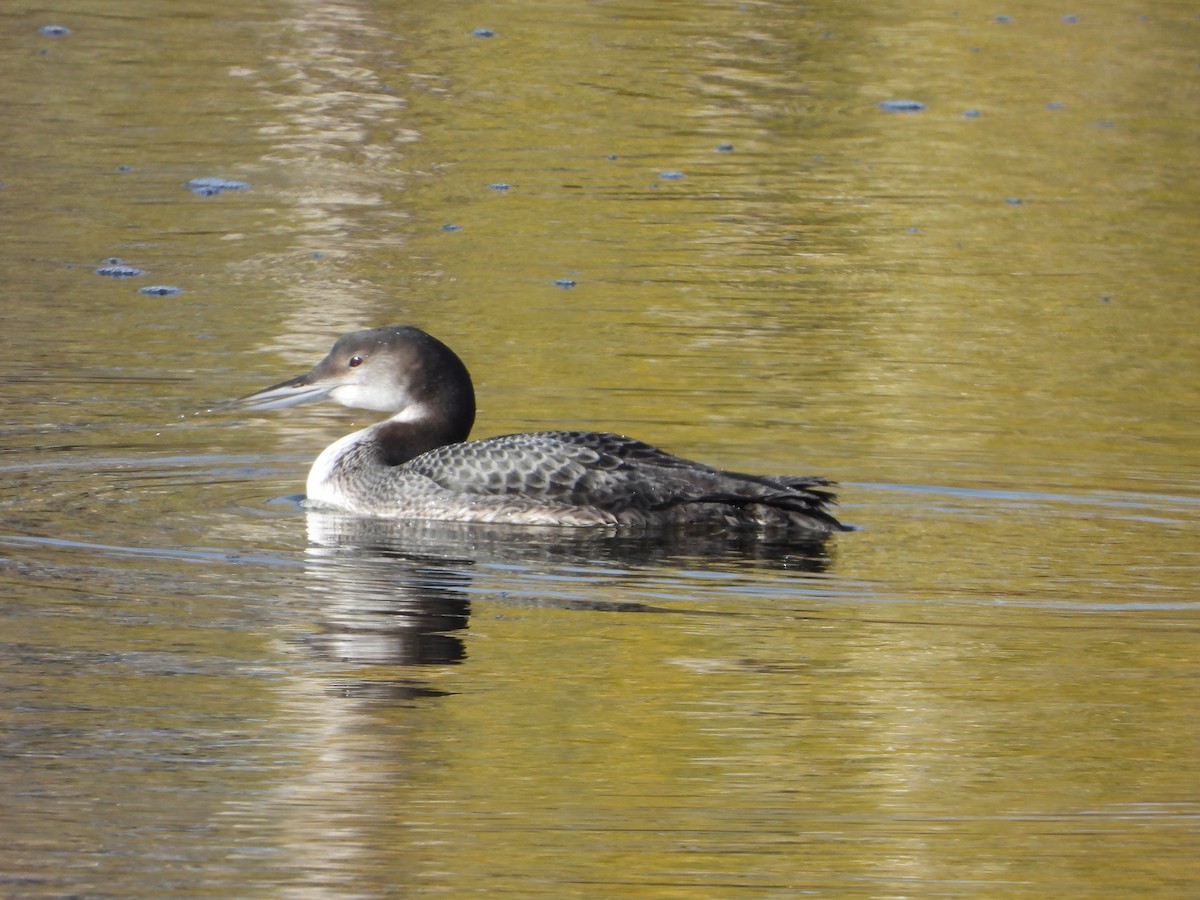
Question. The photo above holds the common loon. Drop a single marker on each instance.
(418, 464)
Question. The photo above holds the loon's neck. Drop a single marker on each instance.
(439, 408)
(402, 438)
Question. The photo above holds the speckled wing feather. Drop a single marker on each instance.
(552, 465)
(625, 477)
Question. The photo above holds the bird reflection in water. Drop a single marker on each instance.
(398, 593)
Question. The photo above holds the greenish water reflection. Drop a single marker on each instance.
(985, 691)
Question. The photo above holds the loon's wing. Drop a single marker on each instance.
(580, 468)
(612, 474)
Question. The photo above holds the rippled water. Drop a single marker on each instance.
(979, 317)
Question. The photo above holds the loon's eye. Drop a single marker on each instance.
(355, 361)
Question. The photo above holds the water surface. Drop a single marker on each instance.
(981, 318)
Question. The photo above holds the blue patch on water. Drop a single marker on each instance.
(901, 105)
(117, 269)
(210, 187)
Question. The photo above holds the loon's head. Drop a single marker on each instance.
(398, 369)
